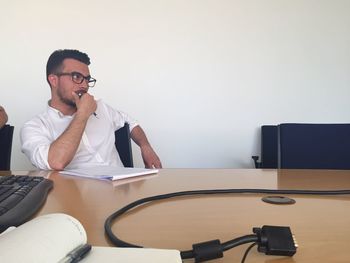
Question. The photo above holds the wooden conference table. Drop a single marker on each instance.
(321, 224)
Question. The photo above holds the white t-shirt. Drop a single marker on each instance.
(97, 143)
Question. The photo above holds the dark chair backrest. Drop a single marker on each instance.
(314, 146)
(123, 145)
(6, 135)
(268, 147)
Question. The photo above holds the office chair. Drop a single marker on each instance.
(314, 146)
(6, 135)
(268, 148)
(123, 145)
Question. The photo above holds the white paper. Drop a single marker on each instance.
(116, 183)
(108, 172)
(132, 255)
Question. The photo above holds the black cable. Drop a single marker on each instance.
(227, 245)
(247, 251)
(239, 241)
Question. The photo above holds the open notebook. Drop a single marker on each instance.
(50, 238)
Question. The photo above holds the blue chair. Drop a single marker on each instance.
(268, 148)
(123, 145)
(314, 146)
(6, 136)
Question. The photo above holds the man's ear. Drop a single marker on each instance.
(52, 80)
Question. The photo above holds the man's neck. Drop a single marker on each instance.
(62, 107)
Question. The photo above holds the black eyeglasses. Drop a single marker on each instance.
(79, 78)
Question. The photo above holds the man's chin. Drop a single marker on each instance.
(69, 103)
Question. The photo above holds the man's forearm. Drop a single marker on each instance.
(63, 149)
(139, 136)
(149, 156)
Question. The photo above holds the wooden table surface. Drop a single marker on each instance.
(321, 224)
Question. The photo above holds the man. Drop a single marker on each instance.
(3, 117)
(77, 130)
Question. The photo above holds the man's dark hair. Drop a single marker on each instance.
(55, 60)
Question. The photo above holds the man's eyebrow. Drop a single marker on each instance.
(76, 72)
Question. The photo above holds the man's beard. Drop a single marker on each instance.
(66, 101)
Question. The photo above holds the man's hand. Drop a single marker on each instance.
(150, 158)
(3, 117)
(86, 104)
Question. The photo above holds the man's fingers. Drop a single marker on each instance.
(75, 96)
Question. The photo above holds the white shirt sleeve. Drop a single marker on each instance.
(125, 118)
(35, 140)
(119, 118)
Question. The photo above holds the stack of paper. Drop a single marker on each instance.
(132, 255)
(108, 172)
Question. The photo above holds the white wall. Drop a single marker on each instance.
(201, 76)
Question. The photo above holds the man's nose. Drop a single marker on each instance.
(85, 84)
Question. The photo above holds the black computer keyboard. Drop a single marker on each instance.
(20, 198)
